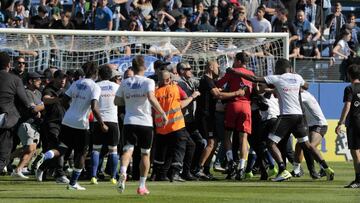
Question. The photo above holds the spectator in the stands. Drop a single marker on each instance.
(313, 12)
(79, 22)
(144, 7)
(40, 21)
(181, 24)
(205, 25)
(251, 7)
(355, 31)
(306, 48)
(187, 7)
(281, 21)
(303, 26)
(22, 14)
(215, 20)
(228, 17)
(64, 22)
(342, 51)
(103, 16)
(195, 18)
(259, 23)
(335, 21)
(241, 23)
(162, 21)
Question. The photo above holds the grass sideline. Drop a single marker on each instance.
(296, 190)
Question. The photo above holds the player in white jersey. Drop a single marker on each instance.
(137, 95)
(318, 126)
(287, 87)
(84, 95)
(109, 114)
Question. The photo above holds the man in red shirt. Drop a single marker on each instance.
(237, 115)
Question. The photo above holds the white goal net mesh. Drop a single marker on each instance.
(65, 50)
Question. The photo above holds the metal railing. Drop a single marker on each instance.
(325, 69)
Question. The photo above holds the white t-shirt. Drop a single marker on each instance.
(108, 110)
(273, 110)
(312, 110)
(344, 48)
(137, 105)
(260, 26)
(287, 89)
(81, 92)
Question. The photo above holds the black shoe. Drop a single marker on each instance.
(297, 175)
(199, 173)
(161, 178)
(264, 176)
(231, 171)
(188, 177)
(211, 177)
(240, 174)
(322, 173)
(353, 184)
(177, 178)
(101, 175)
(314, 175)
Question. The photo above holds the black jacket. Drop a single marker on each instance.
(11, 89)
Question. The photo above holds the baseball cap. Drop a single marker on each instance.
(33, 75)
(115, 73)
(59, 74)
(159, 64)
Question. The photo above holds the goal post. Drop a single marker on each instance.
(69, 49)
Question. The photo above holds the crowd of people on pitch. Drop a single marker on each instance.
(170, 122)
(306, 21)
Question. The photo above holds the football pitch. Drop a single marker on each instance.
(302, 189)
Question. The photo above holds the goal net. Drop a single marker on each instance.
(69, 49)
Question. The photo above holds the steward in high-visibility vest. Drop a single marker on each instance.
(170, 139)
(169, 99)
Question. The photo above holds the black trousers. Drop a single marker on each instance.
(50, 140)
(6, 144)
(170, 147)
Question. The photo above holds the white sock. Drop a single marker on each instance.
(142, 182)
(242, 163)
(229, 155)
(49, 155)
(123, 169)
(296, 167)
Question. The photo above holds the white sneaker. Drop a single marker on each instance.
(39, 175)
(62, 180)
(25, 171)
(18, 175)
(39, 160)
(75, 187)
(121, 184)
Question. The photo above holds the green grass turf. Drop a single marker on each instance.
(295, 190)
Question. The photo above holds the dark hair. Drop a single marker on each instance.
(282, 65)
(243, 57)
(4, 60)
(105, 72)
(18, 57)
(180, 66)
(138, 64)
(90, 69)
(205, 17)
(284, 11)
(350, 15)
(261, 8)
(354, 71)
(343, 33)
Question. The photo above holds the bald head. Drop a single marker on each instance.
(212, 67)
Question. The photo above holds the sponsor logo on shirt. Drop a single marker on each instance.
(290, 89)
(106, 88)
(134, 86)
(81, 87)
(136, 95)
